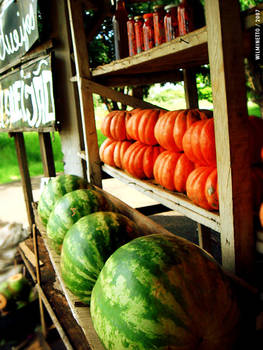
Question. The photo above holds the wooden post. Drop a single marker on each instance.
(190, 89)
(85, 96)
(38, 275)
(25, 176)
(231, 134)
(47, 154)
(191, 99)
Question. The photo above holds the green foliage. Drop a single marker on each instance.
(9, 170)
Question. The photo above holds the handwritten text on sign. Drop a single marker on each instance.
(18, 29)
(26, 98)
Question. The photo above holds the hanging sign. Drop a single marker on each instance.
(18, 29)
(26, 98)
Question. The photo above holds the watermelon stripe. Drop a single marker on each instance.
(56, 188)
(136, 292)
(88, 244)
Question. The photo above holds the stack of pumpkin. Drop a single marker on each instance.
(176, 148)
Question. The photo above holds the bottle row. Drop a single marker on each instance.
(134, 34)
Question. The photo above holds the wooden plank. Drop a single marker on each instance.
(47, 154)
(116, 95)
(81, 314)
(182, 52)
(136, 79)
(54, 318)
(66, 94)
(85, 96)
(29, 254)
(175, 201)
(25, 176)
(231, 135)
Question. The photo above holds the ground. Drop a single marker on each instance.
(13, 209)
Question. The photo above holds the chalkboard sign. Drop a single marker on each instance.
(18, 29)
(26, 98)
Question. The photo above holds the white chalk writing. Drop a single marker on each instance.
(28, 99)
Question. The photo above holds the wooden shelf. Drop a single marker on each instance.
(186, 51)
(80, 313)
(175, 201)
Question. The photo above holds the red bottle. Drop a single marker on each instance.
(148, 32)
(190, 16)
(119, 21)
(131, 36)
(158, 24)
(138, 27)
(185, 17)
(171, 22)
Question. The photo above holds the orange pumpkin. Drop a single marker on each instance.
(182, 123)
(139, 159)
(171, 170)
(114, 125)
(211, 190)
(261, 214)
(163, 131)
(112, 152)
(199, 143)
(140, 126)
(196, 186)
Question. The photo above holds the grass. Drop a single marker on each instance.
(9, 170)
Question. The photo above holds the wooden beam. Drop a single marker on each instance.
(137, 79)
(116, 95)
(85, 96)
(25, 176)
(225, 50)
(47, 154)
(66, 94)
(190, 89)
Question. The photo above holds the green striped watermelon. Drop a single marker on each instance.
(70, 208)
(55, 189)
(88, 244)
(162, 292)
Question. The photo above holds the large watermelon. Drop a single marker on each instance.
(161, 292)
(70, 208)
(88, 244)
(55, 189)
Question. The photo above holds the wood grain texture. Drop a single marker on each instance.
(175, 201)
(25, 176)
(189, 50)
(116, 95)
(85, 96)
(47, 154)
(231, 134)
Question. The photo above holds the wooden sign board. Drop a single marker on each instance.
(18, 29)
(26, 98)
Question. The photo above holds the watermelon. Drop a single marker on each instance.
(55, 189)
(69, 209)
(88, 244)
(162, 292)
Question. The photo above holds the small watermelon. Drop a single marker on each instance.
(88, 244)
(69, 209)
(55, 189)
(161, 292)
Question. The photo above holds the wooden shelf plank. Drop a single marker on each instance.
(172, 200)
(185, 51)
(81, 314)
